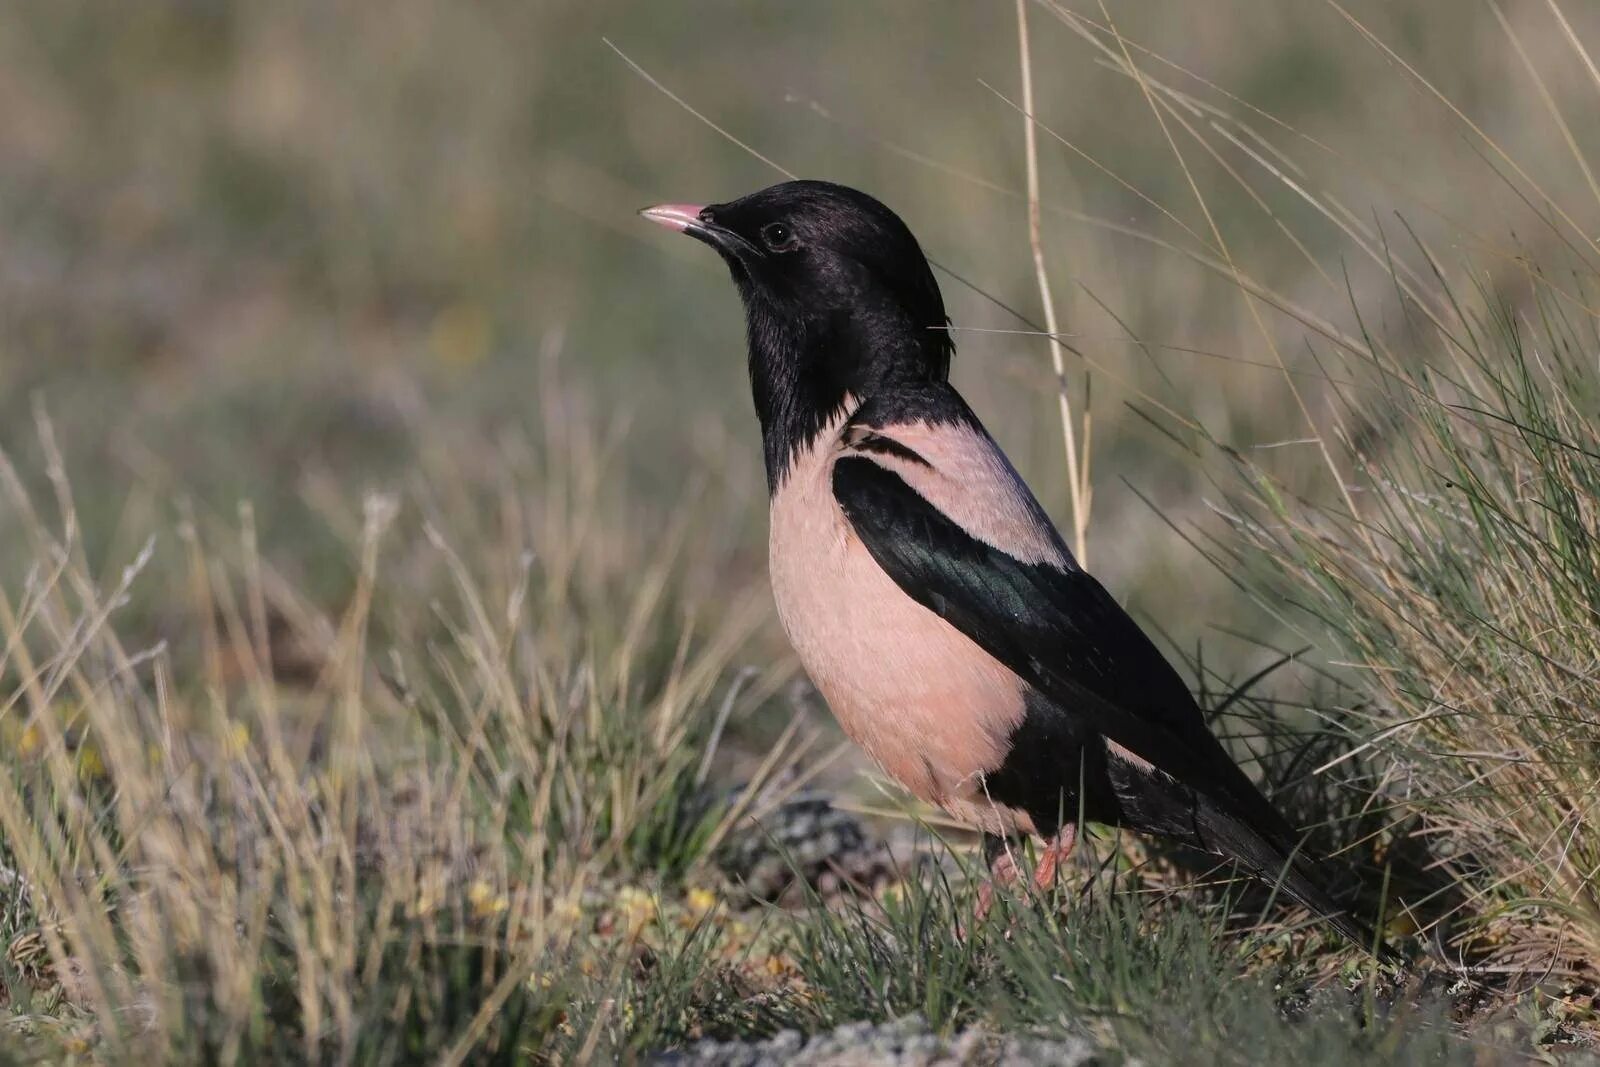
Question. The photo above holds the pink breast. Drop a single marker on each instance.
(927, 704)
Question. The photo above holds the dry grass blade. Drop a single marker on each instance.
(1471, 592)
(1500, 153)
(207, 843)
(1544, 90)
(1077, 474)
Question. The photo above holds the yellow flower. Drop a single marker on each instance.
(235, 740)
(700, 901)
(430, 894)
(636, 908)
(484, 901)
(90, 763)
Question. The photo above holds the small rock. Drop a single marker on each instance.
(806, 841)
(906, 1042)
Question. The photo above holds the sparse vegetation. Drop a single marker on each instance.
(387, 672)
(1464, 587)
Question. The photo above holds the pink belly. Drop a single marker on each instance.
(928, 705)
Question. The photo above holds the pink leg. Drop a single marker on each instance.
(1054, 855)
(1001, 874)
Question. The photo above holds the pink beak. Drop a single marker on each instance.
(674, 216)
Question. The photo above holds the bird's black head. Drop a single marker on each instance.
(839, 302)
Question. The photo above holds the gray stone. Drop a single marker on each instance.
(906, 1042)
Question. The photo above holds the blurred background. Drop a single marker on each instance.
(280, 252)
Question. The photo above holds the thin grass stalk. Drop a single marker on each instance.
(1077, 475)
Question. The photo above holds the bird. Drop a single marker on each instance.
(927, 593)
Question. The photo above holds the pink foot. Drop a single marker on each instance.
(1003, 871)
(1001, 874)
(1054, 855)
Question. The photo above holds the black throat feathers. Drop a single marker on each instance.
(806, 366)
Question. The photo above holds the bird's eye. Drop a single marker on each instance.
(777, 236)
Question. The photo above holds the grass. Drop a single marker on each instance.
(454, 829)
(450, 745)
(1464, 591)
(369, 865)
(1148, 977)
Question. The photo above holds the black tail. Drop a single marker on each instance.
(1283, 866)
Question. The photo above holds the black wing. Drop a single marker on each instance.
(1059, 631)
(1056, 628)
